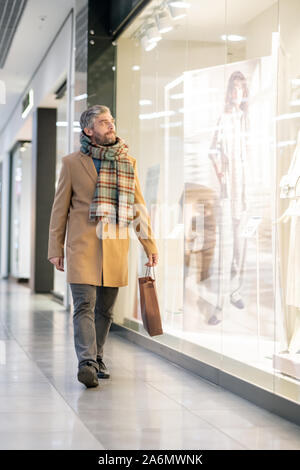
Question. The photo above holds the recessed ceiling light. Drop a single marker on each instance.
(153, 34)
(163, 22)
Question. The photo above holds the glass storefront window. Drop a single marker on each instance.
(80, 103)
(21, 211)
(61, 150)
(207, 102)
(286, 358)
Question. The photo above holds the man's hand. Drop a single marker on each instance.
(58, 263)
(152, 259)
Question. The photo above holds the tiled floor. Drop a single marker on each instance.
(148, 403)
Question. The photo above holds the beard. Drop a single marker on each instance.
(109, 138)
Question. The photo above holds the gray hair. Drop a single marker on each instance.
(87, 118)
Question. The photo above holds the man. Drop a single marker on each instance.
(98, 196)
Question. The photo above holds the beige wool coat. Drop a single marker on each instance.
(90, 259)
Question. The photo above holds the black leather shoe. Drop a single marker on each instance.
(103, 371)
(87, 374)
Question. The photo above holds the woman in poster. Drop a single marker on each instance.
(228, 154)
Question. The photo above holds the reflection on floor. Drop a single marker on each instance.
(149, 403)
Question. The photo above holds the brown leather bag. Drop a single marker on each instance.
(149, 304)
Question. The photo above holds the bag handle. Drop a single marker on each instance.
(148, 271)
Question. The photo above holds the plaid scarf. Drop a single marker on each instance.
(115, 188)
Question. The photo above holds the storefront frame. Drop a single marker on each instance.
(269, 400)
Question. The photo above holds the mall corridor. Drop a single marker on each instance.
(148, 403)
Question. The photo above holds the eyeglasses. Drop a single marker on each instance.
(106, 122)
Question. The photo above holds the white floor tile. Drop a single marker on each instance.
(167, 440)
(49, 441)
(148, 403)
(264, 438)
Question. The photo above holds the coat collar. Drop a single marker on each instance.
(89, 166)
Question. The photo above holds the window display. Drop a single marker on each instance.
(288, 360)
(206, 110)
(290, 188)
(286, 357)
(229, 129)
(20, 211)
(229, 155)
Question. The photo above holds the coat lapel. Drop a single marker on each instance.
(89, 166)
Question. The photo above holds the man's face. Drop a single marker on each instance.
(103, 132)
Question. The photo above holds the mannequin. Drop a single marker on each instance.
(228, 154)
(290, 183)
(290, 189)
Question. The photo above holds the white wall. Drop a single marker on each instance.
(259, 33)
(49, 74)
(54, 67)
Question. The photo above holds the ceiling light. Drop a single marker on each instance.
(177, 96)
(179, 4)
(153, 34)
(156, 115)
(80, 97)
(163, 22)
(145, 102)
(177, 13)
(135, 68)
(27, 103)
(171, 124)
(148, 46)
(233, 37)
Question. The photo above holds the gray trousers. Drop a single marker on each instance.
(93, 315)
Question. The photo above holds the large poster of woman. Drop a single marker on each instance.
(228, 126)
